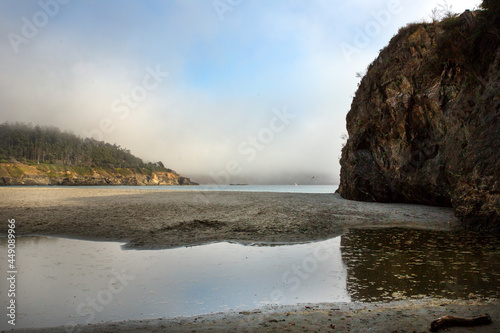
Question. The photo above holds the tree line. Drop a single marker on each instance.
(47, 144)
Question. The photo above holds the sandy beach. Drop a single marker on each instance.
(164, 219)
(394, 317)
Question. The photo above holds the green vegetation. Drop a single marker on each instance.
(450, 22)
(471, 42)
(49, 149)
(467, 41)
(492, 8)
(14, 171)
(54, 169)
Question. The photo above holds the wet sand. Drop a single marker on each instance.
(394, 317)
(163, 219)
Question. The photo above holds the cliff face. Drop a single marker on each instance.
(22, 174)
(424, 124)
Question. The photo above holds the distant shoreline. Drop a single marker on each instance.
(59, 174)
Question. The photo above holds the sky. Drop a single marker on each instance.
(222, 91)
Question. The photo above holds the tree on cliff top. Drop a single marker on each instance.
(37, 144)
(492, 12)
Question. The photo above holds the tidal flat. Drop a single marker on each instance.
(167, 219)
(404, 265)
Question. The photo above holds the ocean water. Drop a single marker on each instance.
(238, 188)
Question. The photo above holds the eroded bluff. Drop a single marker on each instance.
(424, 124)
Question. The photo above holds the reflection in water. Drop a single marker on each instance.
(388, 264)
(64, 281)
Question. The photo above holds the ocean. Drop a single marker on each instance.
(225, 188)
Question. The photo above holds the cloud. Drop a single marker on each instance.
(225, 78)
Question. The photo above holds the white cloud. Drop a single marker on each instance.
(267, 55)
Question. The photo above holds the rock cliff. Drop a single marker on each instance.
(424, 124)
(47, 174)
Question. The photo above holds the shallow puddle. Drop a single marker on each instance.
(389, 264)
(66, 281)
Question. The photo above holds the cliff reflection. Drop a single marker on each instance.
(388, 264)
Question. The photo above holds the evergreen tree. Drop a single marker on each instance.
(36, 144)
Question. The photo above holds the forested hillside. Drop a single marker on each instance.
(35, 155)
(35, 144)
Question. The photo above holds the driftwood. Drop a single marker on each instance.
(448, 321)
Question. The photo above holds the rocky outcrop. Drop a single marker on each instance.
(424, 125)
(22, 174)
